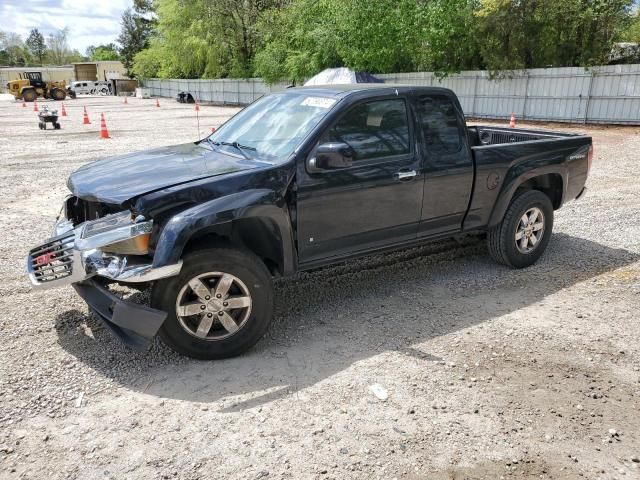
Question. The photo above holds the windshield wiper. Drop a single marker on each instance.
(241, 148)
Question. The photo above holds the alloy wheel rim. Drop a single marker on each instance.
(213, 306)
(530, 230)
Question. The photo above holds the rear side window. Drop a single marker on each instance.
(373, 129)
(439, 124)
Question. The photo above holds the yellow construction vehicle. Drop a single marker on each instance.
(31, 86)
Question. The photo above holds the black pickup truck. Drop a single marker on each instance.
(297, 180)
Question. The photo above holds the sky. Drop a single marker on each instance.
(90, 22)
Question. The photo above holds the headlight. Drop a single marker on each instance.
(118, 233)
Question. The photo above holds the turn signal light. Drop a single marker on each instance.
(138, 245)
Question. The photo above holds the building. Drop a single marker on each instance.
(92, 71)
(54, 74)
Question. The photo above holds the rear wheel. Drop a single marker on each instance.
(524, 233)
(219, 306)
(29, 95)
(57, 94)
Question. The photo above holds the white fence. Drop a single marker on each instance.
(607, 94)
(224, 91)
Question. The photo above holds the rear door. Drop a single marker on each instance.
(374, 202)
(447, 164)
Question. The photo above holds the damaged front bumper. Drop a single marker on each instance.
(75, 255)
(134, 324)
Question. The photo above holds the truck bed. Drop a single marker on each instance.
(506, 157)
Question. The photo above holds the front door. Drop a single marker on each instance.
(374, 202)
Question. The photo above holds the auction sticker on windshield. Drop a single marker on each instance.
(318, 102)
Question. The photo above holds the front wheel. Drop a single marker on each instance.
(29, 95)
(524, 233)
(219, 305)
(58, 94)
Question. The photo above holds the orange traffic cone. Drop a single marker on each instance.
(35, 105)
(64, 112)
(126, 102)
(157, 103)
(512, 123)
(85, 118)
(197, 107)
(104, 133)
(213, 129)
(24, 104)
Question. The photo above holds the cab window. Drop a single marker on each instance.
(373, 129)
(439, 124)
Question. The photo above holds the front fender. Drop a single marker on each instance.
(218, 215)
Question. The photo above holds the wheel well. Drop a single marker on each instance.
(549, 184)
(259, 235)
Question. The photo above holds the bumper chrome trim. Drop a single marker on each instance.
(141, 273)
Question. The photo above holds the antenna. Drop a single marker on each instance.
(198, 119)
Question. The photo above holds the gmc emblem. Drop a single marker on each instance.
(45, 258)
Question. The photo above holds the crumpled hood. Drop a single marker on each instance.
(117, 179)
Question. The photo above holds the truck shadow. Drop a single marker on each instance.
(332, 318)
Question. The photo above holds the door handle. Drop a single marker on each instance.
(405, 175)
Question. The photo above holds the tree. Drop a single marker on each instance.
(13, 52)
(137, 27)
(36, 44)
(632, 31)
(59, 52)
(382, 36)
(206, 38)
(541, 33)
(103, 52)
(294, 39)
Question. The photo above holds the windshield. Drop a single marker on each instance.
(272, 127)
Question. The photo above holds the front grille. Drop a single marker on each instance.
(53, 260)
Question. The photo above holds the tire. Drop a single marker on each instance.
(250, 279)
(56, 126)
(58, 94)
(29, 95)
(502, 239)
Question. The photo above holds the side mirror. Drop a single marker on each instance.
(331, 156)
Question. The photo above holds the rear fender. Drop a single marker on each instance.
(262, 212)
(515, 178)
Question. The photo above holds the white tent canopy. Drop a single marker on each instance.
(332, 76)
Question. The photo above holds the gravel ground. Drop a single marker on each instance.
(490, 372)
